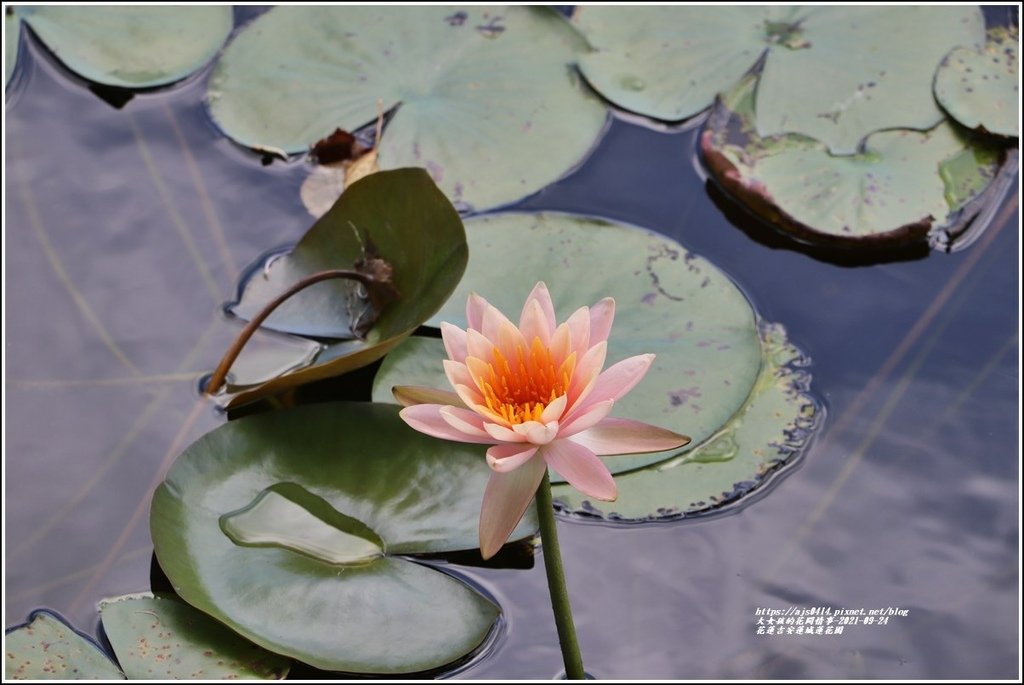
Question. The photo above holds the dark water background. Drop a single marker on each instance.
(125, 230)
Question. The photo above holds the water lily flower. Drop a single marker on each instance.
(535, 393)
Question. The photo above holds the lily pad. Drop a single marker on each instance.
(46, 648)
(768, 433)
(162, 638)
(902, 187)
(399, 216)
(668, 301)
(131, 47)
(486, 98)
(835, 74)
(356, 469)
(980, 88)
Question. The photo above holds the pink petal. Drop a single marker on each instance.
(511, 342)
(554, 411)
(426, 418)
(615, 382)
(479, 371)
(579, 330)
(586, 373)
(624, 436)
(470, 396)
(561, 344)
(534, 324)
(454, 341)
(478, 346)
(601, 316)
(502, 434)
(585, 418)
(409, 395)
(505, 500)
(493, 320)
(542, 297)
(465, 421)
(457, 373)
(537, 433)
(475, 308)
(504, 458)
(581, 468)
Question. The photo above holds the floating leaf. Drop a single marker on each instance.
(980, 88)
(766, 434)
(356, 468)
(891, 193)
(399, 216)
(833, 73)
(486, 98)
(46, 648)
(162, 638)
(131, 47)
(668, 301)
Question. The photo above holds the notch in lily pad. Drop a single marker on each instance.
(407, 246)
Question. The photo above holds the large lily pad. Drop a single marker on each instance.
(46, 648)
(764, 436)
(980, 88)
(399, 216)
(668, 301)
(131, 47)
(353, 476)
(487, 100)
(833, 73)
(162, 638)
(902, 187)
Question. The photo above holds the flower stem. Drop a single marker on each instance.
(556, 583)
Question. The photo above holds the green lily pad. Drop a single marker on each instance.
(401, 217)
(765, 435)
(131, 47)
(668, 301)
(356, 468)
(162, 638)
(46, 648)
(904, 186)
(832, 73)
(12, 43)
(979, 88)
(486, 98)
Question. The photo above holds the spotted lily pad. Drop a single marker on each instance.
(398, 216)
(131, 47)
(486, 97)
(832, 73)
(46, 648)
(162, 638)
(902, 187)
(980, 88)
(294, 528)
(668, 301)
(768, 432)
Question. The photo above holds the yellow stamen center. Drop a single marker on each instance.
(519, 389)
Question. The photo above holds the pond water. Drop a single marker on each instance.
(125, 231)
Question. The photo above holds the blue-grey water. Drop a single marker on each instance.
(125, 230)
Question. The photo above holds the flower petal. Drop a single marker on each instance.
(586, 372)
(561, 345)
(475, 308)
(579, 330)
(614, 382)
(465, 421)
(554, 411)
(534, 323)
(457, 373)
(542, 297)
(602, 315)
(478, 346)
(581, 468)
(426, 418)
(537, 433)
(584, 419)
(454, 341)
(502, 434)
(505, 500)
(504, 458)
(410, 395)
(493, 320)
(625, 436)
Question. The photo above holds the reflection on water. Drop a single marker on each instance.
(125, 231)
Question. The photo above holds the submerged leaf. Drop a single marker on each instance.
(131, 47)
(361, 475)
(487, 103)
(980, 88)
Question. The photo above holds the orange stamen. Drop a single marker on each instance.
(521, 388)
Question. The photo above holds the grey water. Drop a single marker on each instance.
(125, 230)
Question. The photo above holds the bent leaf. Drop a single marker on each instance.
(354, 466)
(487, 101)
(131, 47)
(980, 88)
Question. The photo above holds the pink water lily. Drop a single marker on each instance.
(537, 394)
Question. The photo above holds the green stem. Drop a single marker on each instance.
(556, 583)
